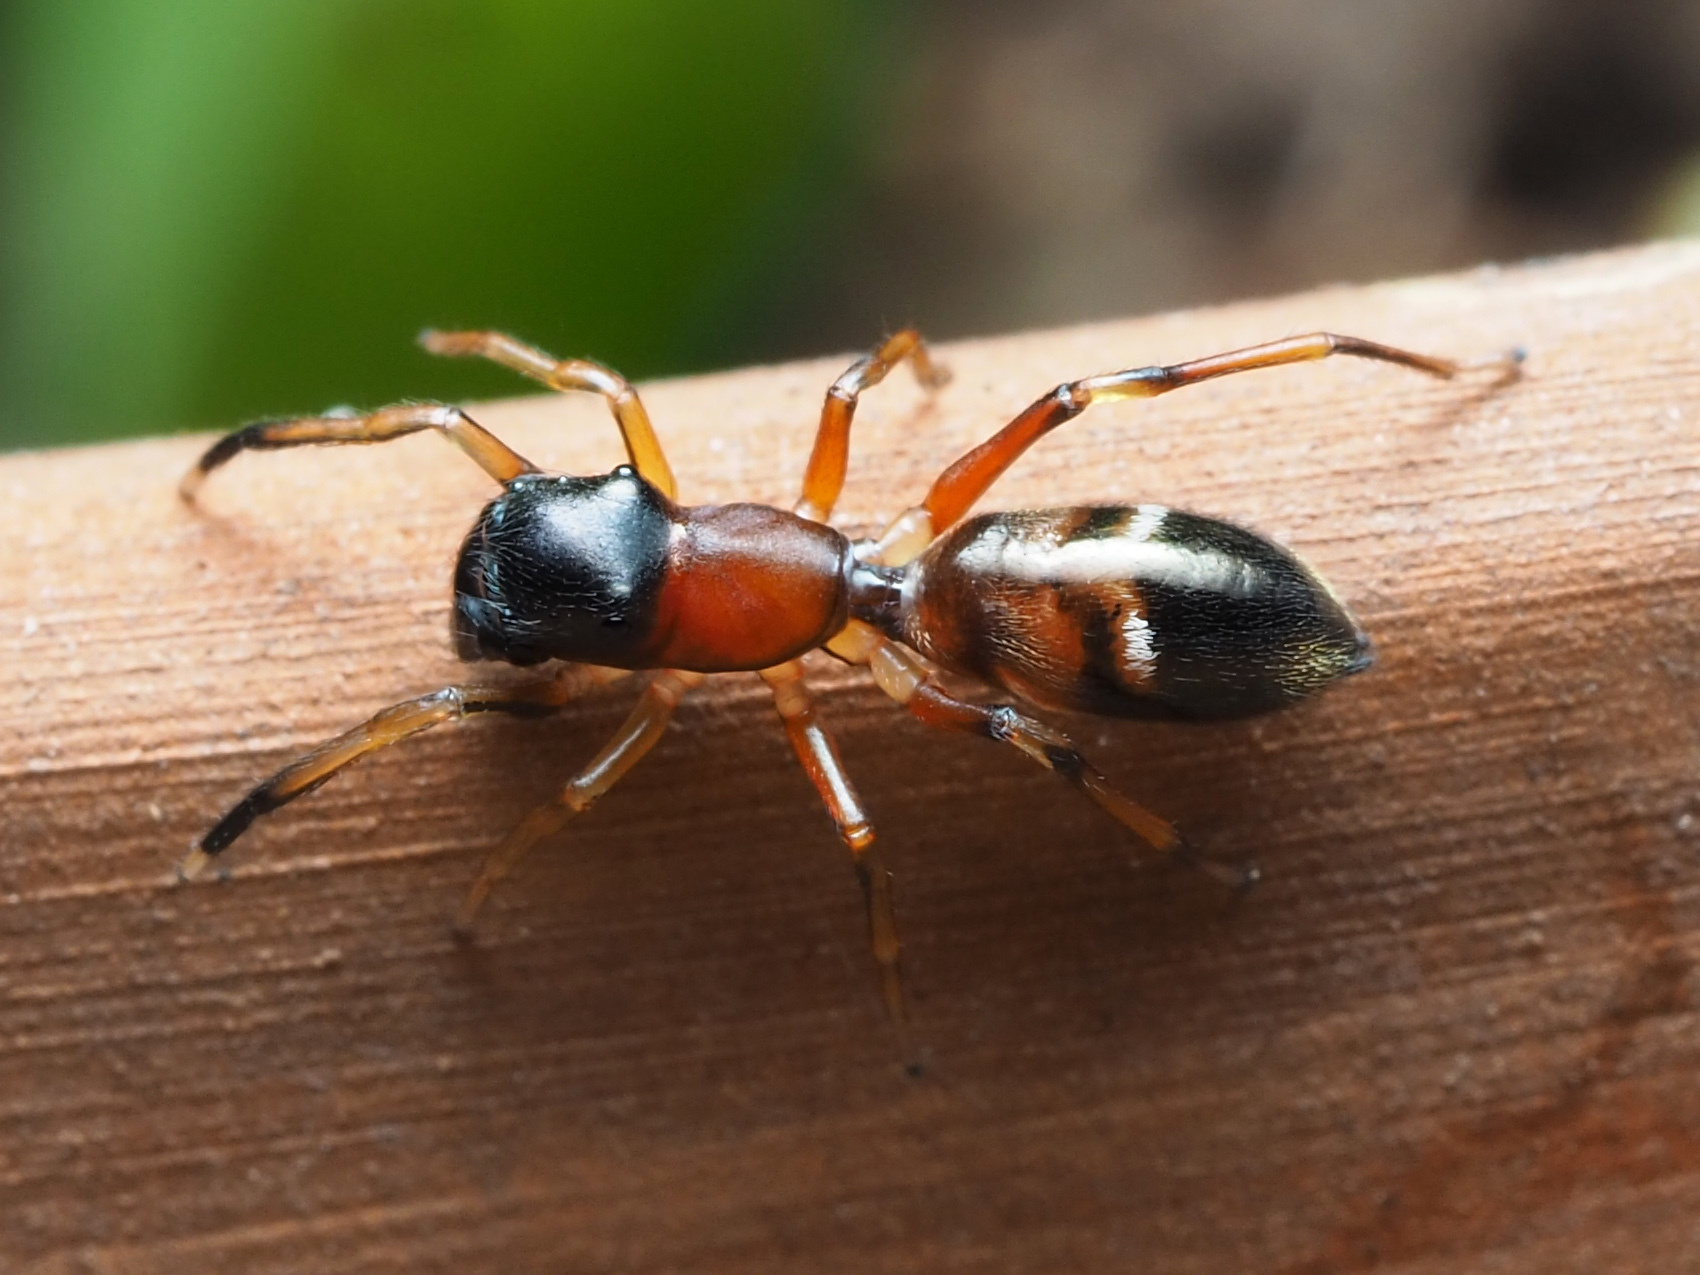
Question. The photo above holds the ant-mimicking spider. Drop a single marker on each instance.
(1116, 610)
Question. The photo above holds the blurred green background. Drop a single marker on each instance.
(214, 211)
(218, 210)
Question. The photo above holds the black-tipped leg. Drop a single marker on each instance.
(492, 455)
(394, 724)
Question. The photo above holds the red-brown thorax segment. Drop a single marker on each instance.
(747, 587)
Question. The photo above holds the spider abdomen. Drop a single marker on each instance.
(1133, 611)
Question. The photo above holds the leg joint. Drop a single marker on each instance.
(451, 695)
(1003, 723)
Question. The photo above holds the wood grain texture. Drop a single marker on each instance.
(1454, 1029)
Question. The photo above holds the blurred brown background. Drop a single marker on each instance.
(1096, 157)
(210, 212)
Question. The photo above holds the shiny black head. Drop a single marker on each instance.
(563, 568)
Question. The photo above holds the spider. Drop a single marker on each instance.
(1115, 610)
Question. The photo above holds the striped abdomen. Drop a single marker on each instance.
(1129, 611)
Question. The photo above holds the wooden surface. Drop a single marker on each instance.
(1454, 1029)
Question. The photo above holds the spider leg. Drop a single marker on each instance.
(966, 480)
(391, 726)
(821, 762)
(824, 478)
(640, 732)
(570, 374)
(909, 681)
(494, 457)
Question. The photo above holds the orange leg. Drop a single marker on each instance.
(909, 681)
(394, 724)
(824, 478)
(959, 486)
(822, 764)
(570, 374)
(641, 731)
(496, 458)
